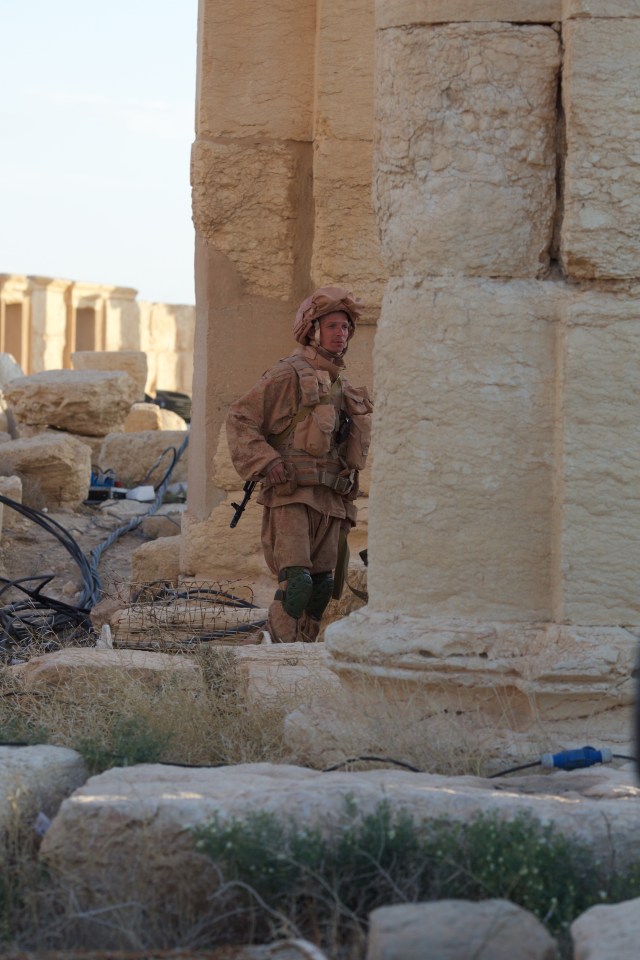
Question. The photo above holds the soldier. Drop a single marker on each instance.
(304, 431)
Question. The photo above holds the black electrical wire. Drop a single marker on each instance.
(397, 763)
(40, 613)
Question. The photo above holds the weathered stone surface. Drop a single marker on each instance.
(602, 185)
(132, 455)
(213, 551)
(344, 72)
(36, 779)
(289, 671)
(529, 684)
(11, 487)
(245, 198)
(133, 362)
(257, 67)
(345, 248)
(9, 370)
(608, 932)
(157, 560)
(59, 463)
(458, 930)
(88, 402)
(462, 519)
(84, 669)
(398, 13)
(168, 342)
(162, 525)
(136, 821)
(597, 561)
(149, 416)
(465, 171)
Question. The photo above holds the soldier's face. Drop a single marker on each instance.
(334, 331)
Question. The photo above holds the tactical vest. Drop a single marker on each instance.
(328, 438)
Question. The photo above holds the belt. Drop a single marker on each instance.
(339, 484)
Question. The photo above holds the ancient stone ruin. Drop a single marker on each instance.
(500, 261)
(44, 322)
(498, 139)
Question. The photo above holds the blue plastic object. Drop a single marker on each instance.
(576, 759)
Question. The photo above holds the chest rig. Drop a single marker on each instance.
(310, 442)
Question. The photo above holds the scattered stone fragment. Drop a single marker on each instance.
(458, 930)
(608, 932)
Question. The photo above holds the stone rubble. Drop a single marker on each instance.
(458, 930)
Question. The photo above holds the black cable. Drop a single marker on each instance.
(523, 766)
(397, 763)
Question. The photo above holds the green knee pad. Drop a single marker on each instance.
(299, 588)
(320, 594)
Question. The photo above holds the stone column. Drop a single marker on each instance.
(281, 174)
(504, 521)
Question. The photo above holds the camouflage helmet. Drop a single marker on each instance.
(325, 300)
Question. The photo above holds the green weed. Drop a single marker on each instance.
(330, 883)
(131, 741)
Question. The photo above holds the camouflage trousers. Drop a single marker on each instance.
(295, 535)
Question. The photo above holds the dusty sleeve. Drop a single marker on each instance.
(265, 410)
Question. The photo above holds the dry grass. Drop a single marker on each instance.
(210, 723)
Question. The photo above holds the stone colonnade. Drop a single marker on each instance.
(504, 514)
(44, 320)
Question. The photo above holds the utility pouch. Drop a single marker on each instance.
(315, 432)
(359, 409)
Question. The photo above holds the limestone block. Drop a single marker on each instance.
(80, 669)
(122, 322)
(606, 9)
(345, 248)
(161, 526)
(344, 71)
(400, 13)
(34, 780)
(157, 560)
(456, 930)
(464, 150)
(598, 563)
(90, 402)
(213, 551)
(94, 445)
(462, 518)
(11, 487)
(257, 69)
(59, 463)
(246, 199)
(507, 683)
(132, 455)
(9, 370)
(607, 932)
(137, 821)
(149, 416)
(133, 362)
(284, 671)
(601, 73)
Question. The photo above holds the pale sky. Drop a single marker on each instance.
(96, 126)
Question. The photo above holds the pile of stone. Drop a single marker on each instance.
(62, 424)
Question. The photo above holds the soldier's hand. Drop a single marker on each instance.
(277, 474)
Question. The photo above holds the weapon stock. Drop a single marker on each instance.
(239, 508)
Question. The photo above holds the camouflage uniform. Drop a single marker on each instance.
(304, 413)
